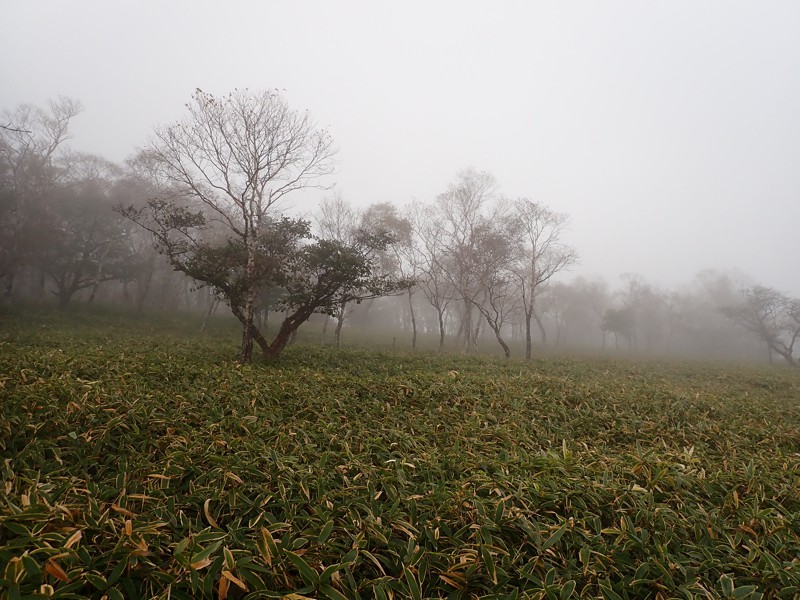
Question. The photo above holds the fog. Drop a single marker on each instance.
(668, 133)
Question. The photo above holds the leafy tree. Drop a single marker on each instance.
(377, 232)
(327, 274)
(223, 170)
(620, 322)
(337, 220)
(220, 174)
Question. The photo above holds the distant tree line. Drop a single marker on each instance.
(197, 218)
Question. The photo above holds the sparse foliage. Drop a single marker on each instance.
(542, 255)
(30, 171)
(465, 212)
(772, 316)
(428, 254)
(223, 170)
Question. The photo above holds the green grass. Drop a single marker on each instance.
(139, 460)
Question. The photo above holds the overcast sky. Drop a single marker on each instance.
(669, 131)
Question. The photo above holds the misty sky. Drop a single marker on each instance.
(669, 131)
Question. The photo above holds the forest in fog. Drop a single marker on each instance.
(184, 226)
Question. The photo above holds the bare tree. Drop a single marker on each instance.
(558, 301)
(143, 262)
(82, 240)
(29, 170)
(399, 258)
(465, 211)
(772, 316)
(649, 310)
(595, 294)
(428, 254)
(225, 168)
(495, 250)
(543, 255)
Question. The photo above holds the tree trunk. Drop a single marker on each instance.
(325, 328)
(212, 307)
(506, 349)
(441, 328)
(460, 330)
(785, 352)
(40, 285)
(63, 300)
(250, 293)
(254, 333)
(413, 321)
(541, 327)
(475, 335)
(8, 292)
(247, 338)
(528, 343)
(339, 322)
(263, 319)
(98, 276)
(143, 283)
(467, 327)
(365, 321)
(65, 291)
(278, 344)
(500, 340)
(93, 293)
(290, 324)
(281, 340)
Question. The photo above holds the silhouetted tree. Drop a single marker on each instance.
(495, 250)
(464, 212)
(428, 254)
(82, 240)
(620, 322)
(542, 255)
(30, 148)
(399, 258)
(772, 316)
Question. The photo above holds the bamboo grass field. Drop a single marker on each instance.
(140, 460)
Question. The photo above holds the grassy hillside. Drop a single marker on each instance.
(139, 460)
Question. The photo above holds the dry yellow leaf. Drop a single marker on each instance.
(224, 584)
(228, 575)
(54, 569)
(122, 511)
(210, 519)
(201, 564)
(73, 539)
